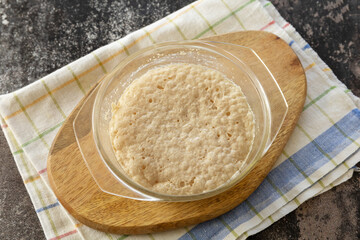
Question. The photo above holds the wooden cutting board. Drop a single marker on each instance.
(79, 194)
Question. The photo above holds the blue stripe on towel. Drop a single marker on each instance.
(306, 47)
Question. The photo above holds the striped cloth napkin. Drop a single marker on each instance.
(319, 155)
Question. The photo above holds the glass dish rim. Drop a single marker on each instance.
(127, 181)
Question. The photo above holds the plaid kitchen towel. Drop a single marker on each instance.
(319, 155)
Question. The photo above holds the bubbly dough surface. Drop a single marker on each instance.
(181, 129)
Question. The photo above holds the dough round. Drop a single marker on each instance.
(181, 129)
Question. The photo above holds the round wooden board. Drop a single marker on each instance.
(79, 194)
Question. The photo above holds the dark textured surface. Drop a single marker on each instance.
(38, 37)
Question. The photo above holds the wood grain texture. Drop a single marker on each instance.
(79, 194)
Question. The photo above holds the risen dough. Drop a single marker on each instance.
(182, 129)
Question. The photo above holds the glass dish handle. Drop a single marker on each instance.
(100, 172)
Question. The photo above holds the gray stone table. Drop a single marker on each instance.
(38, 37)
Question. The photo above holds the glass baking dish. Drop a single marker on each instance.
(239, 64)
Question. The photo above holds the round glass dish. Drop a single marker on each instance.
(263, 96)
